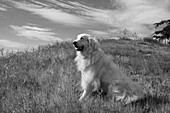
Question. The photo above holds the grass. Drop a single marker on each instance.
(46, 79)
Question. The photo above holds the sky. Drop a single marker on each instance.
(28, 23)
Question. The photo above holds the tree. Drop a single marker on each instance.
(165, 32)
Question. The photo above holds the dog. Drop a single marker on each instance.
(99, 72)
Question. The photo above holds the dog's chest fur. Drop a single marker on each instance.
(86, 73)
(81, 62)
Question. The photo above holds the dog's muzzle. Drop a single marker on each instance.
(78, 48)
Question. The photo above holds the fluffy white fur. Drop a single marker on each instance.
(98, 71)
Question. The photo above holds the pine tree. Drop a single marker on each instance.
(165, 32)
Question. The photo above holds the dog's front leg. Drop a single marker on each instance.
(86, 92)
(83, 95)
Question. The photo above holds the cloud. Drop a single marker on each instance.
(35, 33)
(3, 7)
(67, 13)
(11, 44)
(89, 14)
(135, 15)
(53, 14)
(98, 32)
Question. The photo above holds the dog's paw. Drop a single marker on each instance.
(130, 99)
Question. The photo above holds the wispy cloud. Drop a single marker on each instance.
(67, 13)
(89, 14)
(98, 32)
(3, 7)
(53, 14)
(35, 33)
(11, 44)
(136, 14)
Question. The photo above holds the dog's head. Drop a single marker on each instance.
(85, 42)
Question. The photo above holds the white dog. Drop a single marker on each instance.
(98, 72)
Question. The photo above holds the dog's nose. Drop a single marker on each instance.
(75, 43)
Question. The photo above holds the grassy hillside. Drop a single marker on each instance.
(46, 79)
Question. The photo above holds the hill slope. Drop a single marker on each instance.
(46, 80)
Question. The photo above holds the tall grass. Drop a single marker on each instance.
(46, 80)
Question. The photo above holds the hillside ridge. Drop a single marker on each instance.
(46, 80)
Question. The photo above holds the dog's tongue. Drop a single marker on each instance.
(80, 48)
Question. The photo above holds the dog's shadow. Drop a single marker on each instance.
(150, 102)
(147, 103)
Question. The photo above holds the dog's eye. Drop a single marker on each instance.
(81, 38)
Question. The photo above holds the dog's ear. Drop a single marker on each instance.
(93, 43)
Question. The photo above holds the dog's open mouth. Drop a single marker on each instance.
(79, 48)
